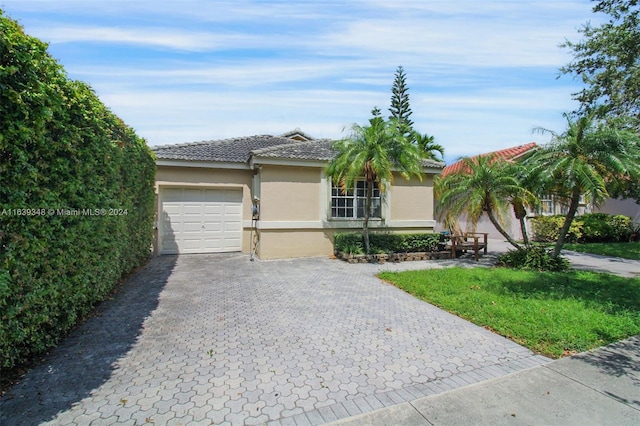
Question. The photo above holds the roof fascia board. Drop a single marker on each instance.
(286, 162)
(313, 163)
(202, 164)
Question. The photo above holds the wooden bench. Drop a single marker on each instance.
(468, 241)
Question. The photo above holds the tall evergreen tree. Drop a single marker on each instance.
(400, 108)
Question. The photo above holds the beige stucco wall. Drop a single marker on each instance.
(624, 206)
(277, 244)
(290, 193)
(411, 199)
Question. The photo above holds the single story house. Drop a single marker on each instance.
(268, 195)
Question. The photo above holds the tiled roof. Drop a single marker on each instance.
(240, 150)
(237, 150)
(319, 149)
(503, 154)
(297, 134)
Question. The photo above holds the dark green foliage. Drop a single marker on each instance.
(547, 228)
(400, 108)
(533, 258)
(63, 155)
(386, 243)
(607, 59)
(588, 228)
(602, 227)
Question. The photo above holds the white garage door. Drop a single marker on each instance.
(200, 220)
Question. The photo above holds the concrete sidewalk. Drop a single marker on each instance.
(601, 387)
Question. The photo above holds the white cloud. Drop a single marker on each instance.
(481, 74)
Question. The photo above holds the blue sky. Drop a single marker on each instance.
(481, 75)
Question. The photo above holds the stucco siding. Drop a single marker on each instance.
(290, 193)
(411, 199)
(626, 206)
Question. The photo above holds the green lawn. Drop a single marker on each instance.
(624, 250)
(555, 314)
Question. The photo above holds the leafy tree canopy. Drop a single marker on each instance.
(586, 160)
(607, 60)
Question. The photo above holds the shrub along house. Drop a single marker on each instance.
(269, 194)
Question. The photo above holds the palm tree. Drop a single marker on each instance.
(373, 152)
(484, 184)
(427, 146)
(523, 197)
(583, 161)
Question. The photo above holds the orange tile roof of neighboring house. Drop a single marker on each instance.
(504, 154)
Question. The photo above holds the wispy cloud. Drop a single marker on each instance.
(481, 74)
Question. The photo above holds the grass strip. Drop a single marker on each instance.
(622, 250)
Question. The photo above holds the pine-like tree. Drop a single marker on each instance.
(400, 108)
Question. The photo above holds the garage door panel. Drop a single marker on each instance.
(201, 220)
(213, 209)
(210, 227)
(231, 226)
(192, 227)
(232, 210)
(194, 195)
(232, 197)
(172, 194)
(230, 243)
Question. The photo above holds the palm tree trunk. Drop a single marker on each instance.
(523, 228)
(504, 233)
(571, 214)
(367, 214)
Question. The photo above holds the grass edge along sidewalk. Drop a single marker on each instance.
(554, 314)
(622, 250)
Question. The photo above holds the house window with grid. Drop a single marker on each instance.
(351, 204)
(546, 205)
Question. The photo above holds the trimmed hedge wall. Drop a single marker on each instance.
(588, 228)
(76, 198)
(353, 243)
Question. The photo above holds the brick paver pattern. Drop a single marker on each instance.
(218, 339)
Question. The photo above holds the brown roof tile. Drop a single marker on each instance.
(503, 154)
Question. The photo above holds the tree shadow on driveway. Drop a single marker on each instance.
(86, 358)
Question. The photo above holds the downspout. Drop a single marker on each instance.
(254, 234)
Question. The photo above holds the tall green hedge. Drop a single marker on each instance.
(76, 198)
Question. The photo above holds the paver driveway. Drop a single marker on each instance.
(217, 339)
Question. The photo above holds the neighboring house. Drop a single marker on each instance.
(550, 205)
(207, 192)
(624, 206)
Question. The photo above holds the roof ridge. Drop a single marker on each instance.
(294, 143)
(212, 141)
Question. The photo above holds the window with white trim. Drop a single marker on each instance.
(351, 204)
(551, 205)
(546, 205)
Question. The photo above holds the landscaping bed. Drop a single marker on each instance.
(387, 247)
(393, 257)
